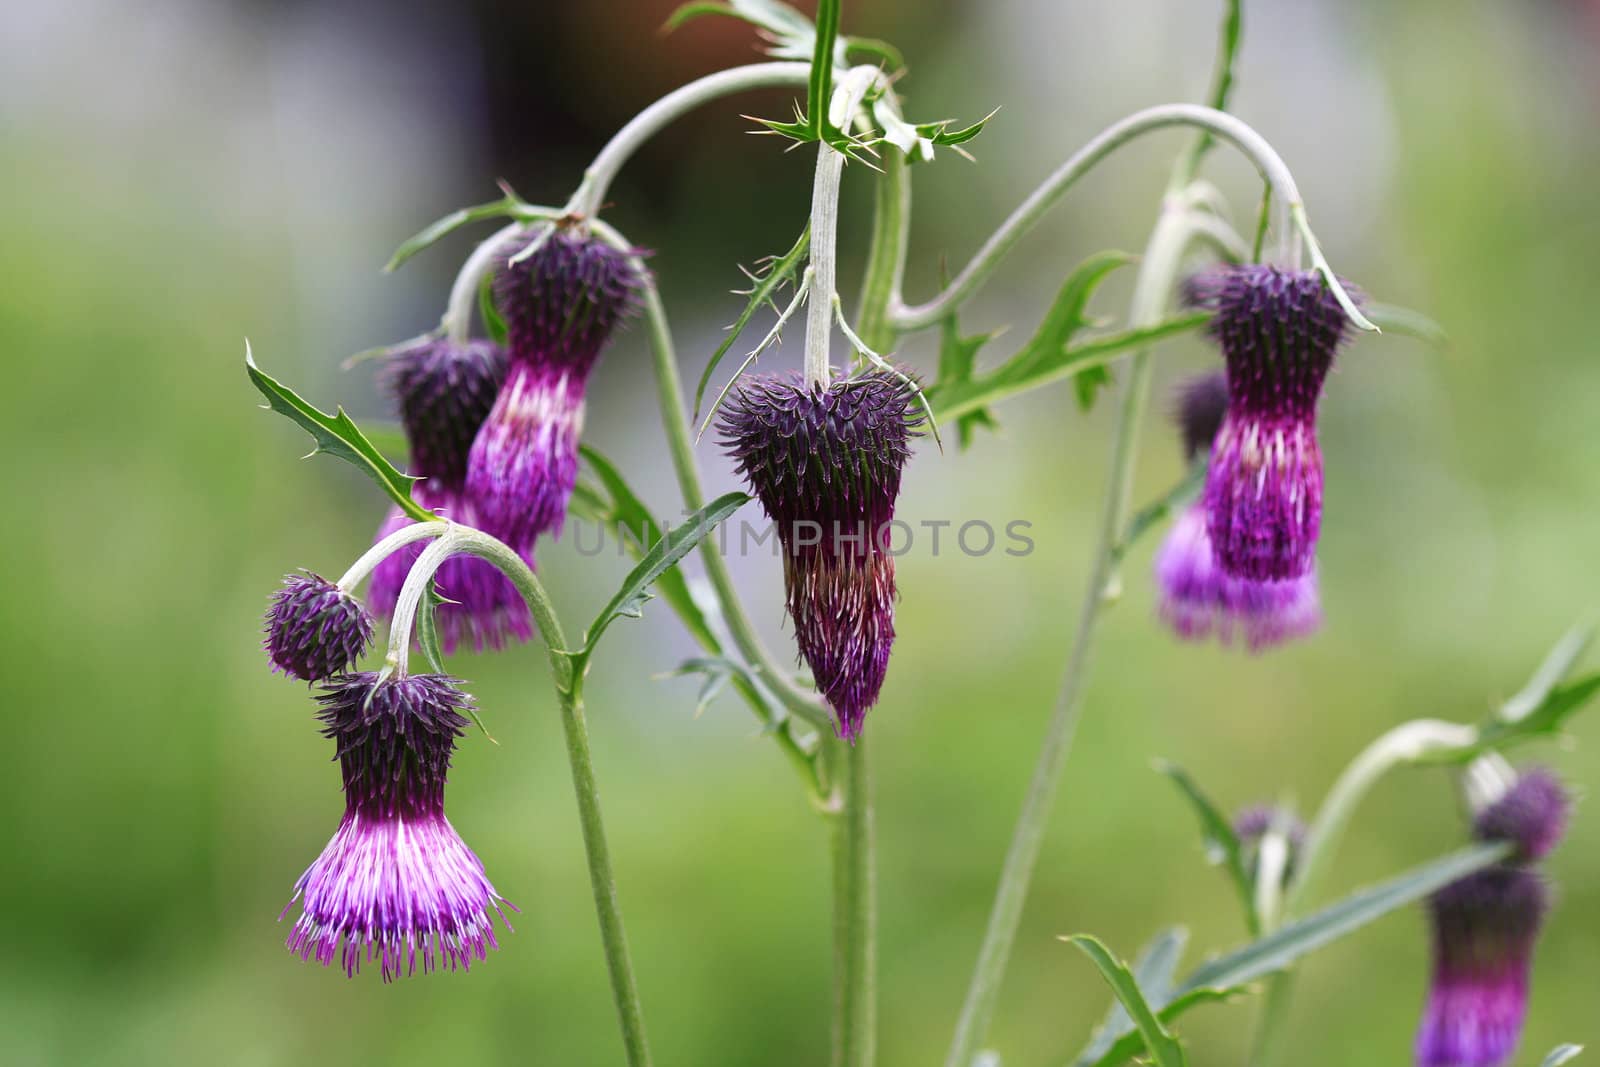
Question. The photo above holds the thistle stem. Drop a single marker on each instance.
(1286, 198)
(569, 693)
(457, 320)
(1157, 273)
(824, 262)
(855, 911)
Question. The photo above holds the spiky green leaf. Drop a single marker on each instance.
(1164, 1049)
(766, 283)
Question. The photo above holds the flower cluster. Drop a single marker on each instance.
(1484, 929)
(825, 462)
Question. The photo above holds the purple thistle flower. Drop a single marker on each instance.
(561, 305)
(1485, 927)
(1199, 600)
(315, 629)
(396, 883)
(444, 391)
(1279, 331)
(825, 462)
(482, 608)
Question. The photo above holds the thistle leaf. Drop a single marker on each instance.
(1221, 843)
(777, 273)
(1163, 1047)
(337, 435)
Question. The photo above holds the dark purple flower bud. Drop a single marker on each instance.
(315, 629)
(1199, 600)
(561, 304)
(1279, 331)
(1532, 813)
(1252, 824)
(482, 608)
(1201, 404)
(444, 391)
(1484, 930)
(825, 463)
(396, 884)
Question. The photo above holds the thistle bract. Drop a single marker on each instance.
(1279, 331)
(1198, 599)
(825, 462)
(396, 884)
(444, 390)
(481, 607)
(315, 629)
(561, 304)
(1484, 930)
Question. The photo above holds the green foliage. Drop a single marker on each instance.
(1131, 1042)
(1154, 969)
(716, 672)
(958, 357)
(767, 279)
(661, 557)
(507, 207)
(337, 435)
(1049, 355)
(1162, 1046)
(619, 509)
(1221, 843)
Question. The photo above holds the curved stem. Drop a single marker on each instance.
(591, 195)
(1224, 126)
(375, 555)
(457, 320)
(855, 912)
(569, 693)
(1157, 273)
(824, 262)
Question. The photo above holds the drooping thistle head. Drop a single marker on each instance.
(444, 390)
(315, 629)
(825, 462)
(396, 883)
(561, 304)
(1279, 331)
(1484, 929)
(1198, 598)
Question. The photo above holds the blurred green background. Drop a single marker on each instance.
(183, 173)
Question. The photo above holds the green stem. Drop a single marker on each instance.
(1157, 273)
(886, 255)
(569, 692)
(855, 911)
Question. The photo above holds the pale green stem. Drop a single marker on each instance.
(886, 255)
(597, 180)
(855, 911)
(1157, 274)
(824, 262)
(416, 531)
(1286, 197)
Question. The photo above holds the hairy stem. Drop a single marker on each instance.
(1224, 126)
(824, 262)
(1157, 273)
(886, 255)
(855, 911)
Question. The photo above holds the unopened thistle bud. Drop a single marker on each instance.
(1198, 597)
(1253, 823)
(1484, 930)
(315, 629)
(825, 462)
(561, 305)
(481, 607)
(1279, 331)
(396, 884)
(444, 390)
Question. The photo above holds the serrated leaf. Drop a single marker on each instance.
(494, 323)
(1545, 720)
(1560, 1054)
(1130, 1042)
(1162, 1046)
(1289, 943)
(505, 207)
(632, 524)
(1154, 969)
(780, 271)
(1087, 385)
(941, 134)
(1067, 315)
(337, 435)
(958, 358)
(661, 557)
(717, 672)
(1221, 843)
